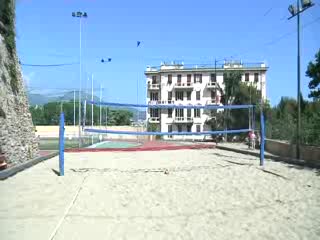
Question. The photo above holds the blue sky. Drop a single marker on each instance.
(192, 31)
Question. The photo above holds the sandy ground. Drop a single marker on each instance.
(189, 194)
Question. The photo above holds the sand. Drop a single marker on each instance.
(184, 194)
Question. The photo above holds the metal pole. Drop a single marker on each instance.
(74, 108)
(61, 145)
(92, 106)
(298, 90)
(262, 141)
(100, 105)
(80, 87)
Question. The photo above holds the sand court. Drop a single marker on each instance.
(182, 194)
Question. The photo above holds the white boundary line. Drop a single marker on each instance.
(53, 234)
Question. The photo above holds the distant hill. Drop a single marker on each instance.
(40, 99)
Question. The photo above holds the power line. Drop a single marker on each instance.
(276, 40)
(48, 65)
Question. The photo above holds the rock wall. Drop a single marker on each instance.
(17, 135)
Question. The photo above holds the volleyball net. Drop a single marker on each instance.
(168, 121)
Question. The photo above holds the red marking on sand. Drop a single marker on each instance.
(45, 152)
(148, 146)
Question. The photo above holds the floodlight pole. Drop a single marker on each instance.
(297, 13)
(80, 15)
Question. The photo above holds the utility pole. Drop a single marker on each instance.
(295, 11)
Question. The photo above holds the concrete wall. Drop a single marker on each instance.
(71, 131)
(284, 149)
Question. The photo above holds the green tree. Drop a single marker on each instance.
(313, 72)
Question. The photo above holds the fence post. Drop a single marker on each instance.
(262, 139)
(61, 145)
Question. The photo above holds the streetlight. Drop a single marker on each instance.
(295, 11)
(80, 15)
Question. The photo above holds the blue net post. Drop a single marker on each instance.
(61, 145)
(262, 141)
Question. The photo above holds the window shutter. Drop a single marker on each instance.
(194, 77)
(200, 78)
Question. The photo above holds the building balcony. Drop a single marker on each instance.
(183, 120)
(213, 102)
(162, 102)
(154, 120)
(154, 102)
(188, 85)
(212, 85)
(167, 102)
(154, 86)
(211, 118)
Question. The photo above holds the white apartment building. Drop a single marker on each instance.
(177, 83)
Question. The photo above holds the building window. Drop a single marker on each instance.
(246, 77)
(198, 128)
(179, 128)
(198, 95)
(179, 112)
(197, 78)
(188, 113)
(213, 95)
(169, 128)
(256, 77)
(154, 96)
(154, 113)
(179, 95)
(169, 79)
(213, 77)
(189, 78)
(189, 128)
(169, 96)
(196, 113)
(179, 79)
(154, 79)
(189, 95)
(169, 112)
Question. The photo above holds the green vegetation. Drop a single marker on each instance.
(7, 30)
(3, 78)
(7, 18)
(13, 78)
(313, 72)
(281, 119)
(2, 113)
(49, 113)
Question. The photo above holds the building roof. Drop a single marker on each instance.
(231, 66)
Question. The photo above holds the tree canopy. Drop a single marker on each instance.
(313, 72)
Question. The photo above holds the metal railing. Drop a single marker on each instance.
(154, 119)
(154, 86)
(183, 119)
(212, 84)
(212, 102)
(184, 85)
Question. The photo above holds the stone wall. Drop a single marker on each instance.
(283, 149)
(17, 135)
